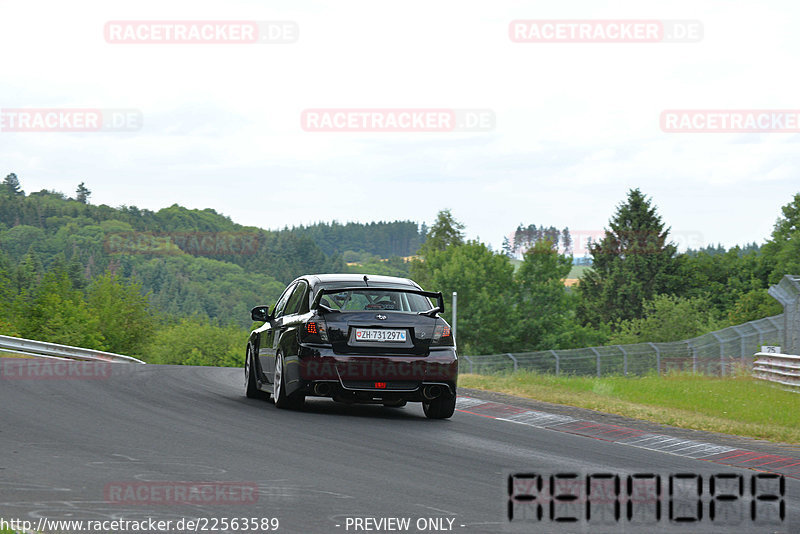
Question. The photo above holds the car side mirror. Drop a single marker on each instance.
(260, 313)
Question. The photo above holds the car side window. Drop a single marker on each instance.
(298, 302)
(294, 302)
(281, 305)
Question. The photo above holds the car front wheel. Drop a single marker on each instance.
(250, 384)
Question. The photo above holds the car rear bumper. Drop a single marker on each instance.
(373, 378)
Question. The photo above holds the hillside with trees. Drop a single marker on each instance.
(176, 285)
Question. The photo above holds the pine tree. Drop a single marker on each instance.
(446, 231)
(507, 248)
(633, 263)
(11, 186)
(82, 194)
(566, 242)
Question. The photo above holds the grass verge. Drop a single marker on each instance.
(4, 354)
(739, 405)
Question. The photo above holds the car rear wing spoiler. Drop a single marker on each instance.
(429, 294)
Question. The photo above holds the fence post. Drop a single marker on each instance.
(741, 344)
(513, 359)
(624, 359)
(721, 353)
(760, 334)
(454, 327)
(557, 363)
(787, 292)
(771, 320)
(694, 356)
(468, 361)
(598, 360)
(658, 358)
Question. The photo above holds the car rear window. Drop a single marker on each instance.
(372, 299)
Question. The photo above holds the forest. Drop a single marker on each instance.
(176, 285)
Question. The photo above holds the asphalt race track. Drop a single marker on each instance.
(101, 446)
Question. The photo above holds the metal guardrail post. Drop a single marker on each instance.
(782, 369)
(721, 354)
(598, 360)
(513, 359)
(624, 359)
(557, 362)
(658, 358)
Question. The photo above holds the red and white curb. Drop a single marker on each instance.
(784, 465)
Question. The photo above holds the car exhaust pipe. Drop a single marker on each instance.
(322, 389)
(431, 392)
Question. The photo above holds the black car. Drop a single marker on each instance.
(355, 339)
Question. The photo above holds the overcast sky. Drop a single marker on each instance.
(575, 124)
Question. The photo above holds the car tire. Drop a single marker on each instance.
(282, 400)
(250, 383)
(440, 408)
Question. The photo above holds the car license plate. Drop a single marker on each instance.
(380, 334)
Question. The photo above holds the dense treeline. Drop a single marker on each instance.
(189, 277)
(175, 286)
(638, 289)
(383, 239)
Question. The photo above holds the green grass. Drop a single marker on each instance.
(577, 271)
(739, 405)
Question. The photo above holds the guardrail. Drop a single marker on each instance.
(54, 350)
(782, 369)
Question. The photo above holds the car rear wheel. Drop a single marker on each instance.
(440, 408)
(250, 383)
(282, 400)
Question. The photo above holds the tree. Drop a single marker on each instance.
(566, 242)
(755, 304)
(125, 318)
(544, 308)
(446, 231)
(196, 341)
(11, 186)
(667, 318)
(632, 263)
(82, 194)
(782, 251)
(506, 248)
(484, 281)
(57, 313)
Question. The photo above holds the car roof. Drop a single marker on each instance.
(357, 280)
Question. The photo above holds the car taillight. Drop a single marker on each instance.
(315, 331)
(442, 334)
